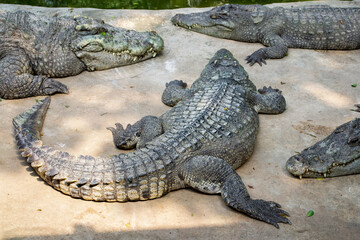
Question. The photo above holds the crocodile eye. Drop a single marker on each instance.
(137, 134)
(353, 140)
(340, 130)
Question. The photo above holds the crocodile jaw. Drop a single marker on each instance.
(204, 23)
(116, 48)
(336, 155)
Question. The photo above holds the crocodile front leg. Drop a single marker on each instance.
(138, 134)
(17, 80)
(277, 48)
(174, 92)
(270, 100)
(213, 175)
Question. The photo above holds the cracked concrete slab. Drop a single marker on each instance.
(319, 95)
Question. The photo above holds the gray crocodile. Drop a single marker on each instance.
(278, 28)
(210, 131)
(336, 155)
(34, 48)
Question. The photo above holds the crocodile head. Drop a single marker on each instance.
(223, 66)
(228, 21)
(336, 155)
(101, 46)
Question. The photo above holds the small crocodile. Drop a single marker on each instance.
(336, 155)
(35, 48)
(210, 131)
(312, 27)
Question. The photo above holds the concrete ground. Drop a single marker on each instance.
(319, 95)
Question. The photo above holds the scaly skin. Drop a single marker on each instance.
(210, 131)
(312, 27)
(33, 49)
(336, 155)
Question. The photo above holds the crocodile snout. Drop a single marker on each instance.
(295, 165)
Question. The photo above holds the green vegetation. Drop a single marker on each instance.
(136, 4)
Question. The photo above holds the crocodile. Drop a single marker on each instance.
(34, 49)
(336, 155)
(209, 132)
(311, 27)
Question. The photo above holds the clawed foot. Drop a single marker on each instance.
(267, 211)
(357, 109)
(50, 86)
(124, 138)
(258, 56)
(266, 90)
(180, 83)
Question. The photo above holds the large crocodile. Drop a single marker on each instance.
(209, 132)
(35, 48)
(336, 155)
(279, 28)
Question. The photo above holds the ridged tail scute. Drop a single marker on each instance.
(119, 178)
(31, 121)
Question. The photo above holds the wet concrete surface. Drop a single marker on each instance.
(319, 95)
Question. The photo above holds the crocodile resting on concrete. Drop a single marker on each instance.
(35, 48)
(336, 155)
(278, 28)
(209, 132)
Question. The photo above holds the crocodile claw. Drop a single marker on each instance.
(268, 211)
(357, 108)
(257, 57)
(50, 86)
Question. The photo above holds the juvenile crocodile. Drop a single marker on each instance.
(35, 48)
(209, 132)
(278, 28)
(336, 155)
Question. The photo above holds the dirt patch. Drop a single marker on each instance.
(312, 129)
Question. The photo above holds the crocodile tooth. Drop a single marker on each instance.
(324, 174)
(135, 58)
(154, 55)
(300, 176)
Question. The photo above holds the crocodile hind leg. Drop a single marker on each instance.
(174, 92)
(17, 80)
(137, 134)
(215, 176)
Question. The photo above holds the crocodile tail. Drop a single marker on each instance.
(116, 178)
(31, 121)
